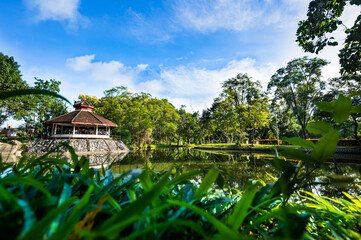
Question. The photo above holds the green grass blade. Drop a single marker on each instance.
(29, 216)
(165, 225)
(221, 227)
(241, 210)
(207, 182)
(26, 181)
(39, 229)
(135, 208)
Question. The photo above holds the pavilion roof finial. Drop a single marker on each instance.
(83, 106)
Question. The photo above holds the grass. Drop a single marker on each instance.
(48, 198)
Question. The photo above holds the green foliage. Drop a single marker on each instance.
(323, 18)
(49, 198)
(298, 86)
(10, 79)
(239, 110)
(144, 117)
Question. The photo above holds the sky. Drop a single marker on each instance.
(181, 50)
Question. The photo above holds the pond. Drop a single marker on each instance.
(236, 167)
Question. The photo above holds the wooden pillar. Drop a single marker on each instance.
(96, 130)
(73, 129)
(56, 125)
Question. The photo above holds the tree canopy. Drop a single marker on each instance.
(314, 33)
(10, 79)
(299, 85)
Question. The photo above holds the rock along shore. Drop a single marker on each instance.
(81, 146)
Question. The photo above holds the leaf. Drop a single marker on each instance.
(280, 164)
(357, 93)
(169, 224)
(326, 106)
(240, 211)
(39, 229)
(22, 92)
(342, 109)
(325, 147)
(207, 182)
(221, 227)
(297, 155)
(133, 209)
(29, 216)
(356, 109)
(319, 127)
(299, 142)
(26, 181)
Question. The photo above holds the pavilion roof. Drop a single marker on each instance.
(82, 116)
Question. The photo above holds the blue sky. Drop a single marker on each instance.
(181, 50)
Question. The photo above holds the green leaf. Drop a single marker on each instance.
(326, 106)
(221, 227)
(357, 93)
(297, 155)
(39, 229)
(356, 109)
(299, 142)
(280, 164)
(29, 216)
(319, 127)
(183, 177)
(325, 147)
(207, 182)
(240, 211)
(26, 181)
(133, 209)
(342, 109)
(22, 92)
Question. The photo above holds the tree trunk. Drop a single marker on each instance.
(304, 136)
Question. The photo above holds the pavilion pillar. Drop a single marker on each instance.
(55, 129)
(96, 130)
(73, 129)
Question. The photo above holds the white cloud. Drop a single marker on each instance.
(113, 72)
(236, 15)
(59, 10)
(193, 86)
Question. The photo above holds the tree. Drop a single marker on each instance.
(10, 78)
(43, 108)
(248, 102)
(89, 99)
(313, 34)
(299, 84)
(138, 113)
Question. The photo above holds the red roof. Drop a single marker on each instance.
(83, 115)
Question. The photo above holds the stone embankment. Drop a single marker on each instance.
(85, 146)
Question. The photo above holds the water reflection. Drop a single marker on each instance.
(236, 168)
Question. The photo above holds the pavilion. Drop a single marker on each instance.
(81, 123)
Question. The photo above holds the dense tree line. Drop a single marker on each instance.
(241, 112)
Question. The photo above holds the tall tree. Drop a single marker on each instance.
(323, 18)
(299, 84)
(10, 78)
(43, 108)
(248, 102)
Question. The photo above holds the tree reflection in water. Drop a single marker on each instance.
(238, 167)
